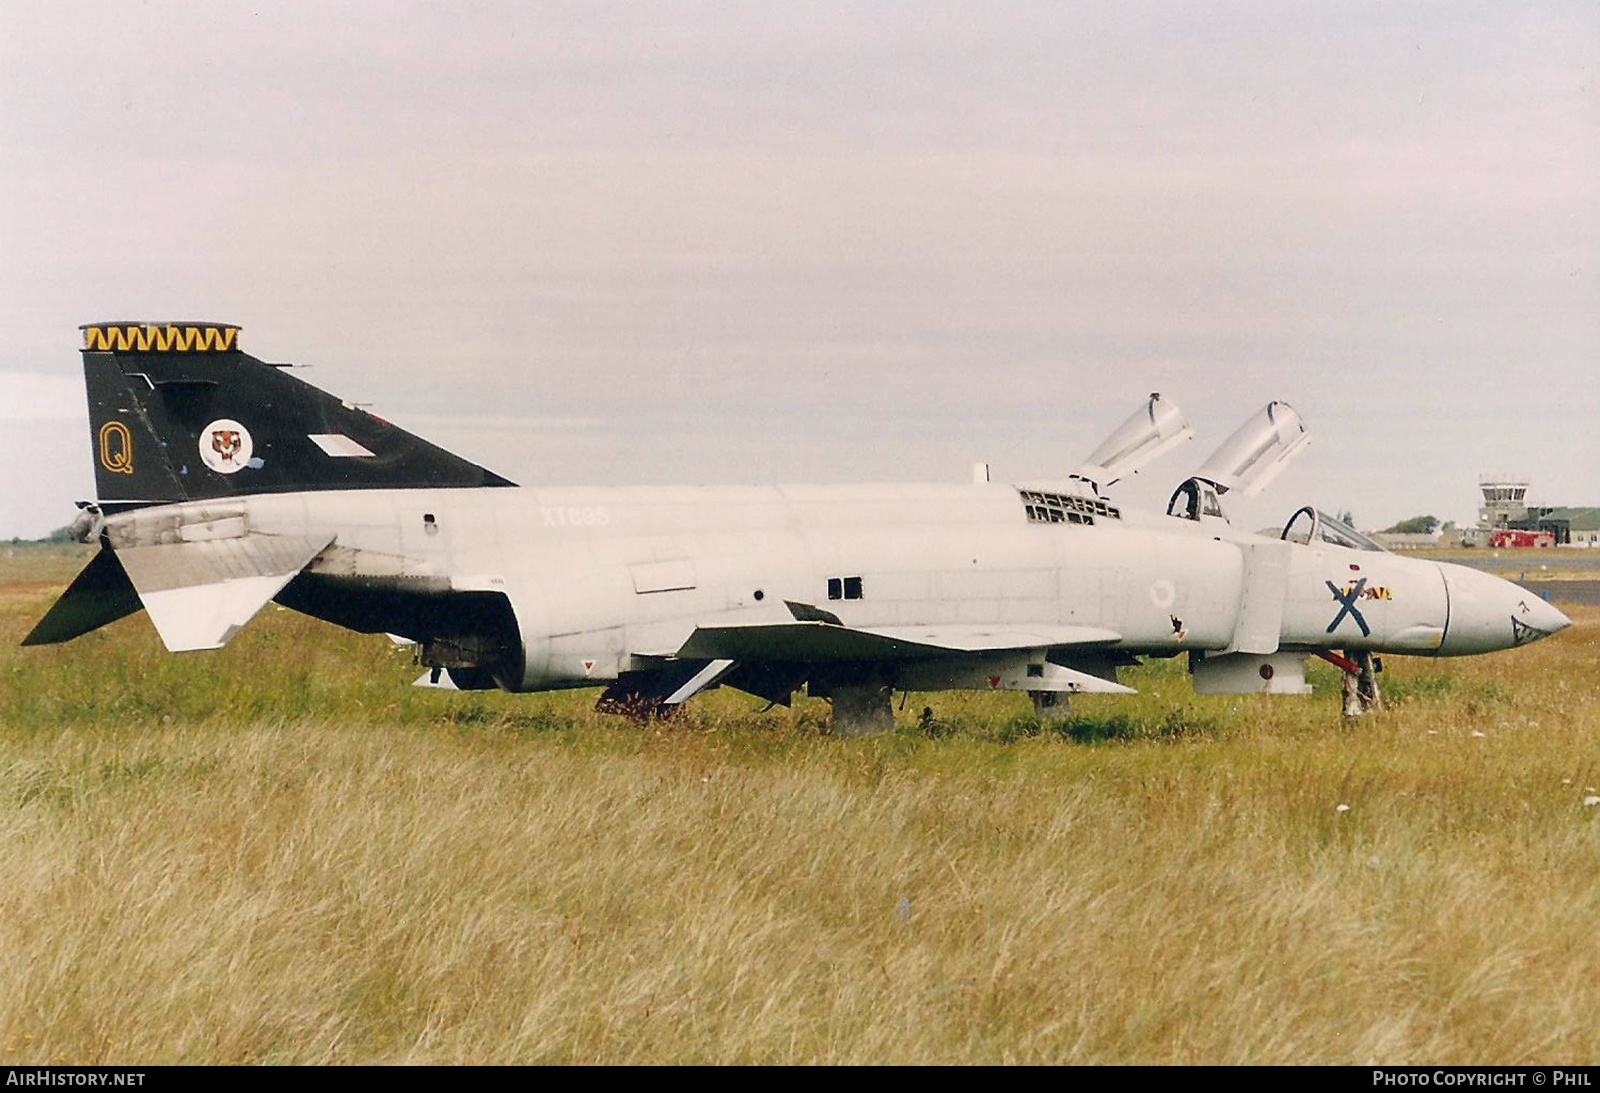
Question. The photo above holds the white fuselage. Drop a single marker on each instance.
(601, 577)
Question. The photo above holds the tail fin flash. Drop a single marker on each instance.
(179, 413)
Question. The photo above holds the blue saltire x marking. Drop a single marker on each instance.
(1347, 606)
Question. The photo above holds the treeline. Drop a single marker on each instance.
(59, 535)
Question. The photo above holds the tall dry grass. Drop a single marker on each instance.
(282, 854)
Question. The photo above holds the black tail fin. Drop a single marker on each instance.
(178, 413)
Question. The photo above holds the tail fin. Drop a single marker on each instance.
(178, 413)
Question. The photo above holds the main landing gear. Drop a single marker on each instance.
(862, 710)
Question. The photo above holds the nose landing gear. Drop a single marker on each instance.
(1361, 692)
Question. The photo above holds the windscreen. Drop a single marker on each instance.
(1309, 524)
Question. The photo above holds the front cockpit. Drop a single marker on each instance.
(1308, 526)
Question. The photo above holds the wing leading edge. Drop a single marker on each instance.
(813, 641)
(772, 657)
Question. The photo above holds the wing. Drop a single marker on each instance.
(816, 641)
(773, 656)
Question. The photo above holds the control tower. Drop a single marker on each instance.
(1504, 499)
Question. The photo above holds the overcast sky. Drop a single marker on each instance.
(765, 242)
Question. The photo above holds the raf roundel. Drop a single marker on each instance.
(1163, 593)
(225, 446)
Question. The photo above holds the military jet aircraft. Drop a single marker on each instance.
(226, 483)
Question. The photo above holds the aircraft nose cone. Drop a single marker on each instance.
(1542, 616)
(1487, 613)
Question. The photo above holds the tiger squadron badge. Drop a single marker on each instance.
(225, 446)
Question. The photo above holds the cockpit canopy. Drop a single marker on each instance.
(1195, 499)
(1310, 526)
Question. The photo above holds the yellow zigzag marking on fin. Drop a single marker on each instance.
(160, 339)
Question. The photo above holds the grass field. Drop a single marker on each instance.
(282, 853)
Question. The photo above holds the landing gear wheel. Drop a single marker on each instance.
(1361, 692)
(863, 710)
(1050, 705)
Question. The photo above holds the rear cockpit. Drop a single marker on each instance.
(1196, 500)
(1246, 463)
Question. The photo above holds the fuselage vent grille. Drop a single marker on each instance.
(1059, 508)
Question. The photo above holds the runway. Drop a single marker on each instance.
(1586, 592)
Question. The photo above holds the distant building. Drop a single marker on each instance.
(1578, 527)
(1407, 540)
(1504, 500)
(1505, 519)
